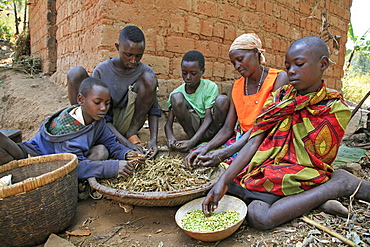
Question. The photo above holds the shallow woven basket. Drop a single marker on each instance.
(152, 199)
(42, 199)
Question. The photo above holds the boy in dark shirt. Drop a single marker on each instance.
(79, 129)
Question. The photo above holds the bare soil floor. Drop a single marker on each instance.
(26, 101)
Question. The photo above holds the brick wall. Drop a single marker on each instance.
(87, 30)
(43, 33)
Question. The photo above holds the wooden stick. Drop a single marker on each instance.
(334, 234)
(360, 104)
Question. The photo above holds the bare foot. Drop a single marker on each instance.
(334, 207)
(348, 184)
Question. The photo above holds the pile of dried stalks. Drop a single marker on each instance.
(22, 60)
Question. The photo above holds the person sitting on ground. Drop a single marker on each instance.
(80, 130)
(248, 96)
(285, 170)
(196, 104)
(133, 86)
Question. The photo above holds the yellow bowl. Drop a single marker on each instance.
(226, 203)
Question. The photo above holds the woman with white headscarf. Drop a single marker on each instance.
(249, 93)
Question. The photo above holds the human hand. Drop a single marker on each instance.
(130, 145)
(152, 150)
(211, 159)
(210, 203)
(183, 146)
(192, 158)
(124, 167)
(171, 143)
(135, 158)
(137, 148)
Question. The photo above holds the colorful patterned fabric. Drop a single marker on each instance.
(304, 135)
(64, 123)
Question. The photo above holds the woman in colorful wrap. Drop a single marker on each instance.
(249, 93)
(285, 168)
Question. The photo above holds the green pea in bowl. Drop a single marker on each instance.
(231, 212)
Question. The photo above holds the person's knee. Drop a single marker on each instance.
(177, 99)
(76, 75)
(98, 152)
(258, 217)
(147, 84)
(3, 138)
(222, 102)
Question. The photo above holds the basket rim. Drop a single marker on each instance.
(109, 191)
(41, 180)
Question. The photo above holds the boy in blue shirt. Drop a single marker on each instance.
(196, 105)
(79, 129)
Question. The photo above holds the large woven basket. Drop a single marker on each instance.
(152, 199)
(42, 199)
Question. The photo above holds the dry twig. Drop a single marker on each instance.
(334, 234)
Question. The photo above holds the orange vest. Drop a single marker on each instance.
(249, 106)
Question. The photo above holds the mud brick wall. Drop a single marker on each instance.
(87, 30)
(43, 41)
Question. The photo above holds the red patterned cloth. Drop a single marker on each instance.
(304, 135)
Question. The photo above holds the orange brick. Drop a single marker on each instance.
(304, 8)
(179, 44)
(230, 72)
(193, 25)
(218, 69)
(284, 14)
(218, 30)
(203, 47)
(208, 8)
(242, 3)
(269, 24)
(224, 51)
(260, 6)
(208, 69)
(183, 4)
(160, 43)
(160, 65)
(276, 11)
(251, 19)
(252, 5)
(206, 28)
(229, 13)
(230, 33)
(176, 66)
(177, 23)
(269, 8)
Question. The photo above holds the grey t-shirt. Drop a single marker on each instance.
(117, 81)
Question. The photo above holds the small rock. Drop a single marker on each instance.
(55, 240)
(351, 167)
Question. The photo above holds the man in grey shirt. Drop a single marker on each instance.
(133, 86)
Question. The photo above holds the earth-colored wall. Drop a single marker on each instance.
(87, 30)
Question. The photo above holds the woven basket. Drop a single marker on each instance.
(42, 199)
(152, 199)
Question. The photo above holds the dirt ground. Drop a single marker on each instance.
(26, 101)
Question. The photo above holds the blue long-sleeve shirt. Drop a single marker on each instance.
(79, 143)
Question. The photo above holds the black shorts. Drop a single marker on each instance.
(248, 196)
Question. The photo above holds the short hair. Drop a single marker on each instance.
(191, 56)
(88, 84)
(132, 33)
(315, 44)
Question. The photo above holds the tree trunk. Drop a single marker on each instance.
(25, 22)
(15, 18)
